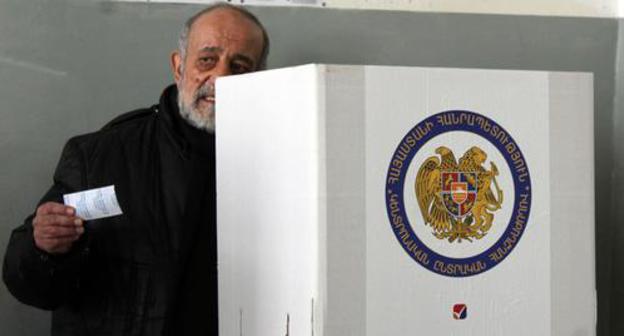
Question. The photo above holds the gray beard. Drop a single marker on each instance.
(191, 114)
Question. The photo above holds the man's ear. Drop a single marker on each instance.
(176, 66)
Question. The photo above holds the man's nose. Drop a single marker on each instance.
(222, 69)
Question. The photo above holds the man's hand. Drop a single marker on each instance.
(56, 227)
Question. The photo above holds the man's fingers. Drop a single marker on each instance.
(56, 245)
(57, 220)
(55, 208)
(53, 232)
(55, 227)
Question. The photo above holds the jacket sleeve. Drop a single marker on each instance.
(33, 276)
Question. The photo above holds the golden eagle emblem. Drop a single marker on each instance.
(456, 199)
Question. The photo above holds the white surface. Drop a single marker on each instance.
(572, 202)
(280, 3)
(585, 8)
(303, 230)
(263, 166)
(94, 203)
(594, 8)
(513, 298)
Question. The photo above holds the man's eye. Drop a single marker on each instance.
(204, 62)
(238, 68)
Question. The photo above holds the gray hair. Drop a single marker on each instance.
(186, 29)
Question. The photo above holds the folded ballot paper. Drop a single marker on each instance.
(94, 203)
(376, 201)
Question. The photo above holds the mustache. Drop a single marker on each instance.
(206, 90)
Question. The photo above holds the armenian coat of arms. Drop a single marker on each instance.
(456, 199)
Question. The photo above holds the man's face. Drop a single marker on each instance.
(220, 43)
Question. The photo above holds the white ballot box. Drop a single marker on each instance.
(376, 201)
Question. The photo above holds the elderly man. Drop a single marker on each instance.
(151, 270)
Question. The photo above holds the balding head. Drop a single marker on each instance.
(221, 40)
(186, 29)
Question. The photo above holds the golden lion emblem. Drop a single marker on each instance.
(456, 199)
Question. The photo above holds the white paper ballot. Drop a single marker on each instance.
(94, 203)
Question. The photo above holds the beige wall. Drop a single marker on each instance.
(585, 8)
(594, 8)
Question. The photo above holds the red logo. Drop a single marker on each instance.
(460, 311)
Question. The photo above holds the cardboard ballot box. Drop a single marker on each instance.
(375, 201)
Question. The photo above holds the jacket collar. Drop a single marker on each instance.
(189, 139)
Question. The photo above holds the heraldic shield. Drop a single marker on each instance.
(457, 198)
(459, 192)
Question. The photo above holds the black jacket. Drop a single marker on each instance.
(150, 271)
